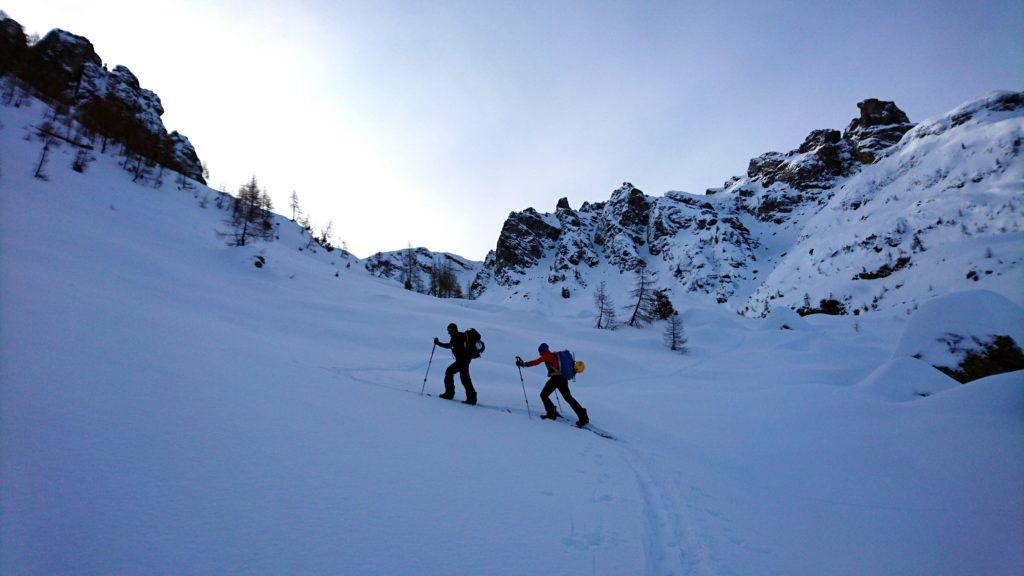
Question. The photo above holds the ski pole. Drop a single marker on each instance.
(429, 362)
(525, 399)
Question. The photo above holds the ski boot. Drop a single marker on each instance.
(550, 416)
(584, 419)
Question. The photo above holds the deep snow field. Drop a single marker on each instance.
(168, 408)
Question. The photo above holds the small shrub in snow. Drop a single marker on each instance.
(663, 309)
(829, 306)
(999, 355)
(82, 160)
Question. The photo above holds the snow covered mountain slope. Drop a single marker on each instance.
(880, 217)
(420, 266)
(167, 407)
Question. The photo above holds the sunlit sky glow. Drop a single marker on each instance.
(428, 122)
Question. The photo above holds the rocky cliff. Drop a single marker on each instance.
(65, 70)
(881, 215)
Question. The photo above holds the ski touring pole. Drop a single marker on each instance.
(429, 362)
(525, 399)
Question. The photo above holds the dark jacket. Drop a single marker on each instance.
(459, 345)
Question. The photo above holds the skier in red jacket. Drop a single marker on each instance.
(556, 381)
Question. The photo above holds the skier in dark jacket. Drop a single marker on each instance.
(458, 343)
(556, 381)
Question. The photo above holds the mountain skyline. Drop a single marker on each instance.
(462, 114)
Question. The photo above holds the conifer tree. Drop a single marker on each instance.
(643, 310)
(675, 337)
(244, 211)
(251, 213)
(409, 268)
(605, 307)
(325, 235)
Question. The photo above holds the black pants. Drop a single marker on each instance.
(558, 382)
(462, 367)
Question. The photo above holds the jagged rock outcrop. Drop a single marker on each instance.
(185, 157)
(13, 45)
(56, 62)
(525, 237)
(64, 69)
(777, 184)
(953, 181)
(680, 236)
(881, 124)
(847, 223)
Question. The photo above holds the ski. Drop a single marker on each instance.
(597, 431)
(588, 427)
(478, 405)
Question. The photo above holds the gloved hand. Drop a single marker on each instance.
(519, 362)
(436, 341)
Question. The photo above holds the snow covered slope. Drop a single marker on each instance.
(880, 217)
(419, 265)
(167, 407)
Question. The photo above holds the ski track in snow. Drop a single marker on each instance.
(672, 546)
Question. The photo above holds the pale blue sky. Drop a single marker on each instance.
(427, 122)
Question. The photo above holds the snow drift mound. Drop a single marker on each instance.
(903, 379)
(784, 318)
(996, 399)
(967, 335)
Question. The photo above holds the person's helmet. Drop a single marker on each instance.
(452, 327)
(543, 348)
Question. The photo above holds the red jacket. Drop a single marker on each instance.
(548, 358)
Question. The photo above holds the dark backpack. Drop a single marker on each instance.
(566, 364)
(474, 343)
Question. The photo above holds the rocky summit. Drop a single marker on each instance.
(65, 69)
(835, 225)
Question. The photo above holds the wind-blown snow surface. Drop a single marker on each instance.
(168, 408)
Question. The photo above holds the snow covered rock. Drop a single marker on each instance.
(185, 157)
(678, 236)
(524, 239)
(777, 184)
(419, 265)
(55, 63)
(882, 216)
(938, 213)
(65, 68)
(967, 335)
(13, 44)
(880, 125)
